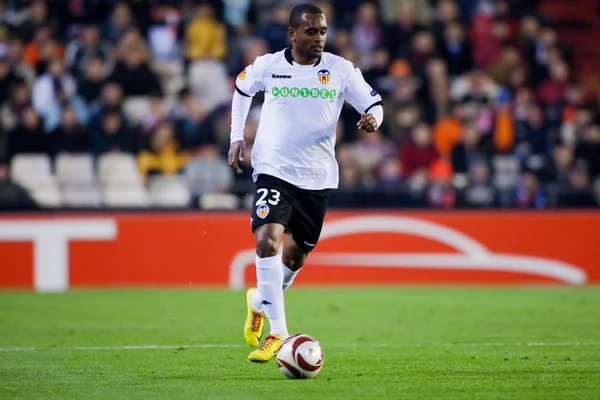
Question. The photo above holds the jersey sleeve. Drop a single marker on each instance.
(250, 80)
(358, 92)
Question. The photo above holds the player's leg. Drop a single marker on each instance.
(269, 220)
(292, 259)
(305, 227)
(269, 276)
(269, 293)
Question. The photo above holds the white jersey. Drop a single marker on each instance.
(296, 134)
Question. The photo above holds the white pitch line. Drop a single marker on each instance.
(524, 344)
(365, 344)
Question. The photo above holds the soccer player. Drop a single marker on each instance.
(293, 159)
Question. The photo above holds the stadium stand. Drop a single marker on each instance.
(488, 103)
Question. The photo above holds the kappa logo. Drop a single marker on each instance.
(324, 76)
(262, 211)
(277, 76)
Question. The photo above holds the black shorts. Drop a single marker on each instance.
(300, 211)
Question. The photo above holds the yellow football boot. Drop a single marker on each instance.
(268, 349)
(255, 322)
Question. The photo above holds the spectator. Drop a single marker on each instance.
(366, 32)
(132, 40)
(91, 83)
(469, 150)
(12, 195)
(42, 50)
(479, 193)
(350, 192)
(7, 79)
(163, 32)
(400, 33)
(376, 74)
(111, 134)
(529, 28)
(489, 36)
(405, 110)
(596, 190)
(560, 165)
(552, 91)
(37, 17)
(162, 155)
(11, 112)
(503, 69)
(370, 149)
(588, 150)
(207, 172)
(504, 127)
(447, 131)
(51, 86)
(391, 187)
(53, 91)
(422, 50)
(439, 192)
(156, 114)
(533, 135)
(275, 32)
(111, 99)
(14, 56)
(438, 90)
(529, 193)
(577, 193)
(205, 35)
(193, 125)
(517, 79)
(418, 152)
(341, 42)
(87, 47)
(456, 49)
(135, 77)
(3, 34)
(445, 13)
(475, 89)
(120, 21)
(390, 173)
(539, 53)
(237, 14)
(71, 136)
(28, 136)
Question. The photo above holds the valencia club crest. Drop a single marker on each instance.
(324, 76)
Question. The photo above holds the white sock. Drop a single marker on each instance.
(269, 275)
(288, 276)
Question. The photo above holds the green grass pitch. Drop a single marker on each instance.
(384, 343)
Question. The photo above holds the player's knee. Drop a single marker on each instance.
(266, 245)
(294, 262)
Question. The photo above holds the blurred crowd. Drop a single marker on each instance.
(482, 108)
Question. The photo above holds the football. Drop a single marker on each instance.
(300, 356)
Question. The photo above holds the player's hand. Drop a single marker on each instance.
(367, 123)
(236, 153)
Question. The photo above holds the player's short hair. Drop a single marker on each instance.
(299, 11)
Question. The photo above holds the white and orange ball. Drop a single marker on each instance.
(300, 356)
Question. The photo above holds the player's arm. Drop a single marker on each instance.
(247, 84)
(365, 100)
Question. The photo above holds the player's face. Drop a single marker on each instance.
(311, 35)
